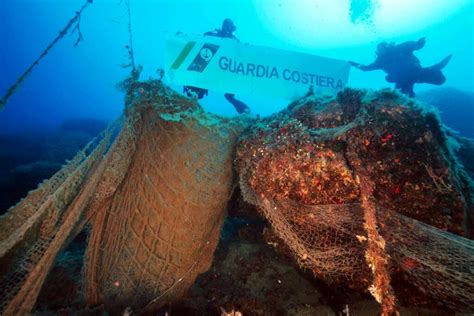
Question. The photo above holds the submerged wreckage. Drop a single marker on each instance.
(363, 189)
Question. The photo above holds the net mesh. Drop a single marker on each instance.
(155, 198)
(365, 192)
(34, 231)
(331, 241)
(161, 228)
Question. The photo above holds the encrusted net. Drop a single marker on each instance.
(34, 231)
(339, 181)
(363, 193)
(331, 241)
(161, 228)
(155, 198)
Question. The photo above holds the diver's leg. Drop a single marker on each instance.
(434, 74)
(409, 90)
(431, 76)
(406, 88)
(398, 86)
(239, 106)
(390, 78)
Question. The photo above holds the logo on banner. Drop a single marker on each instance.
(204, 56)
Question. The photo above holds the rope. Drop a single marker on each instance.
(130, 49)
(135, 74)
(61, 34)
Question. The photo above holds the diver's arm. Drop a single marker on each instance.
(210, 33)
(217, 33)
(369, 67)
(373, 66)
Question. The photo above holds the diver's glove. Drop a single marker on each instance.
(354, 64)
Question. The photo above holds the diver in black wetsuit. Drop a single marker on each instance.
(227, 31)
(403, 68)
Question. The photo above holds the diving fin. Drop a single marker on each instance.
(441, 64)
(433, 74)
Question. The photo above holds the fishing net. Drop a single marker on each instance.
(363, 191)
(160, 229)
(35, 230)
(155, 197)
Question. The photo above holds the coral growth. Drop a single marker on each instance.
(305, 169)
(308, 154)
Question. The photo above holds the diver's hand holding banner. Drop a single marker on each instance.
(229, 66)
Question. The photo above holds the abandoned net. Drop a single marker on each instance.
(365, 191)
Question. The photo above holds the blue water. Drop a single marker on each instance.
(78, 82)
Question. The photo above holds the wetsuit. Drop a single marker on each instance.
(404, 69)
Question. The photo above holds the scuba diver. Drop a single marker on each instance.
(403, 68)
(227, 31)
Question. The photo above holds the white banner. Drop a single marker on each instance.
(229, 66)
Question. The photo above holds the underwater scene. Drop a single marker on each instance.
(237, 157)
